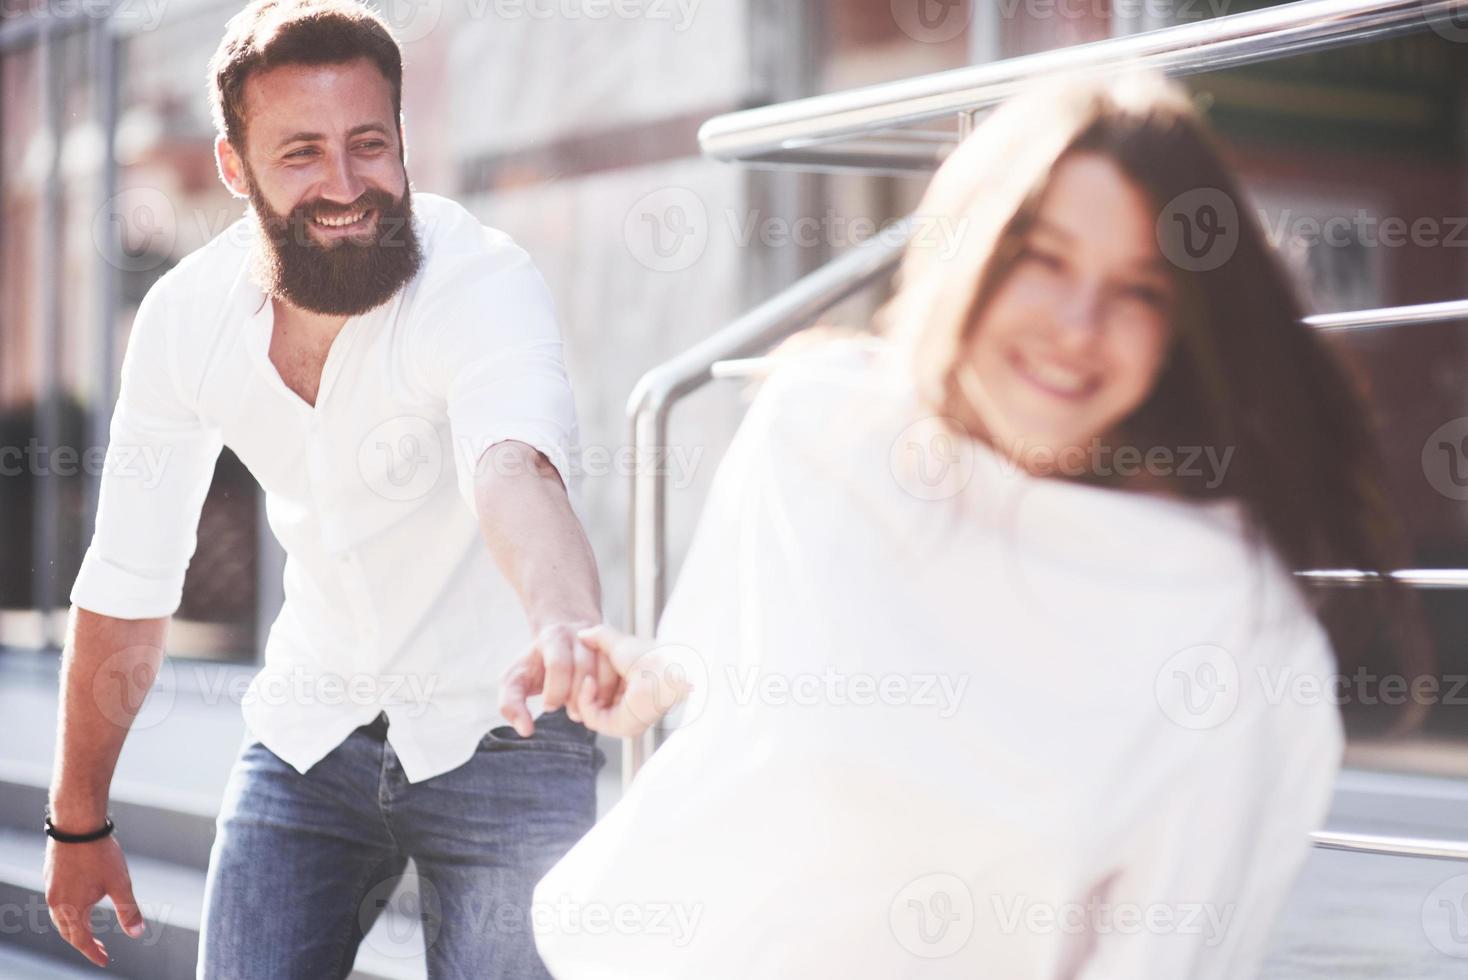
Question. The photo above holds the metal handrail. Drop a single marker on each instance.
(1391, 316)
(805, 130)
(1416, 578)
(1450, 850)
(727, 354)
(659, 389)
(1420, 314)
(798, 133)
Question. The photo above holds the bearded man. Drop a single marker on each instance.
(390, 370)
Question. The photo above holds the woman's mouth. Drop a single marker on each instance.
(1054, 379)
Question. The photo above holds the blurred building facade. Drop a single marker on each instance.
(565, 124)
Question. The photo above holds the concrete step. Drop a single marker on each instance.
(164, 797)
(169, 825)
(171, 896)
(18, 963)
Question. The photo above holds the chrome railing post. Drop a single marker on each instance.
(659, 389)
(1445, 850)
(857, 130)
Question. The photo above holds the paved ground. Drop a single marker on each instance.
(184, 739)
(1351, 916)
(1362, 916)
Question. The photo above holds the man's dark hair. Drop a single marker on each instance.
(271, 33)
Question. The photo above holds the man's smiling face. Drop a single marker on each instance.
(323, 168)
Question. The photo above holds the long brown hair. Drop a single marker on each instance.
(1243, 372)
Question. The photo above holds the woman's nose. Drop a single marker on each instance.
(1079, 316)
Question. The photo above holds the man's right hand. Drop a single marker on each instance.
(77, 877)
(107, 667)
(556, 666)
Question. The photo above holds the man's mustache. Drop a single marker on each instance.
(292, 225)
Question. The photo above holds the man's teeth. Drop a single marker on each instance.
(350, 219)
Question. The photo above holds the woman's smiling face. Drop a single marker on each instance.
(1073, 339)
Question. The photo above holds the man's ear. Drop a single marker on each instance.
(231, 167)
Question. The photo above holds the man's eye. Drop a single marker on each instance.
(371, 145)
(295, 154)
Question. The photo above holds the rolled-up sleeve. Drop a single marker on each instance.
(494, 354)
(157, 470)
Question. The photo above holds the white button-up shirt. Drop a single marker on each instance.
(392, 600)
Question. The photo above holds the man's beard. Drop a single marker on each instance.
(347, 277)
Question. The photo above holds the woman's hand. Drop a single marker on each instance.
(555, 666)
(653, 679)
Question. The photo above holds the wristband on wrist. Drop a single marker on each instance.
(65, 838)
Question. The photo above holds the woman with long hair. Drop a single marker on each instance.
(987, 653)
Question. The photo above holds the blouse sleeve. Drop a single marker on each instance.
(1213, 864)
(702, 611)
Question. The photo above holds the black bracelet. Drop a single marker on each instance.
(65, 838)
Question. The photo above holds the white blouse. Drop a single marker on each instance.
(954, 720)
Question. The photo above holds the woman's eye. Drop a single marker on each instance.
(1146, 294)
(1046, 260)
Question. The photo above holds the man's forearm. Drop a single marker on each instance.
(541, 549)
(107, 668)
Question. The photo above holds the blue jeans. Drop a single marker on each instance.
(302, 865)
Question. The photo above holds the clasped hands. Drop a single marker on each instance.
(607, 680)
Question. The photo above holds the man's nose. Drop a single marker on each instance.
(342, 184)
